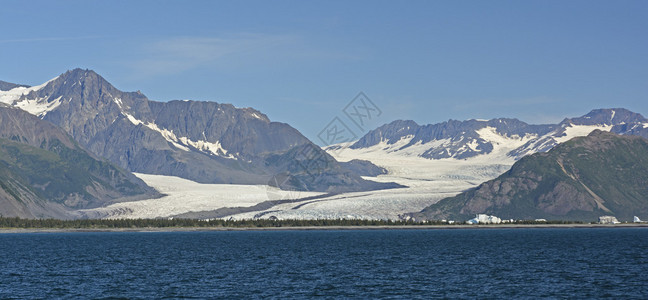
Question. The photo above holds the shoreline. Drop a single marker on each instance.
(316, 228)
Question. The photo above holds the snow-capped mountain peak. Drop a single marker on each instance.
(473, 138)
(452, 139)
(203, 141)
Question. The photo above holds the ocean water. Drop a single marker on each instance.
(411, 264)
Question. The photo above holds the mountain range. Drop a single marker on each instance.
(402, 157)
(472, 138)
(206, 142)
(398, 166)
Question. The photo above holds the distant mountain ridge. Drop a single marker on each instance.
(582, 179)
(205, 142)
(473, 138)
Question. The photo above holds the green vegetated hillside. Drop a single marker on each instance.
(582, 179)
(45, 173)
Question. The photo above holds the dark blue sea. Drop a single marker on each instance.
(464, 263)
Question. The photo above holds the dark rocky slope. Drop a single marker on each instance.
(45, 173)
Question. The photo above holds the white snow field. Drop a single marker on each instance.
(184, 196)
(427, 181)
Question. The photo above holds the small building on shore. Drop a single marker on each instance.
(484, 219)
(608, 220)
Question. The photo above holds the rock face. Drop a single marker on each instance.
(45, 173)
(5, 86)
(582, 179)
(205, 142)
(472, 138)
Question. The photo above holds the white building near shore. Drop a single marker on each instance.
(608, 220)
(484, 219)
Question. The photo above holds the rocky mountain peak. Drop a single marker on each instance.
(203, 141)
(390, 133)
(85, 84)
(607, 116)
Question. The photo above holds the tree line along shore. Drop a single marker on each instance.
(17, 223)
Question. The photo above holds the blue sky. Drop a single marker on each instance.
(301, 62)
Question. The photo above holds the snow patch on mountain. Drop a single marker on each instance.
(39, 106)
(562, 134)
(14, 94)
(184, 142)
(168, 135)
(502, 144)
(213, 148)
(472, 145)
(118, 101)
(402, 147)
(132, 119)
(571, 131)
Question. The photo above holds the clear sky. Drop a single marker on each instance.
(301, 62)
